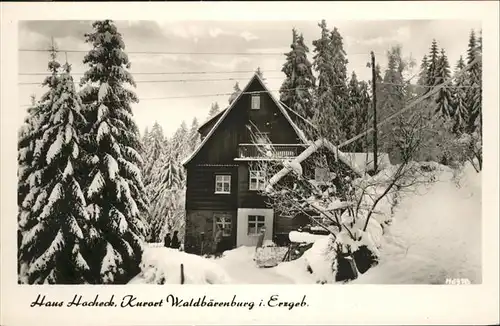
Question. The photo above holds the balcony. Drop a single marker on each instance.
(269, 151)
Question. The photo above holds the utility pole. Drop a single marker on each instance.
(375, 130)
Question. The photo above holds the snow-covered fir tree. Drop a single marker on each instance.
(461, 114)
(322, 59)
(145, 135)
(339, 64)
(180, 148)
(194, 135)
(26, 144)
(474, 91)
(180, 145)
(154, 148)
(393, 82)
(236, 92)
(298, 87)
(260, 74)
(391, 97)
(324, 114)
(342, 110)
(433, 60)
(166, 196)
(56, 233)
(359, 103)
(444, 96)
(364, 114)
(422, 76)
(214, 110)
(114, 189)
(29, 133)
(168, 182)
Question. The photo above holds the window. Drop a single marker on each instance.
(223, 222)
(255, 224)
(321, 174)
(222, 184)
(257, 180)
(255, 102)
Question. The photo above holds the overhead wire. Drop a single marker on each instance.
(150, 52)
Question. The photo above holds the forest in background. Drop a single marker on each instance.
(321, 90)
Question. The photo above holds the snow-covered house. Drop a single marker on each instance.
(225, 178)
(223, 189)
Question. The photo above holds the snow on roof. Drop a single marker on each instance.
(356, 161)
(217, 116)
(225, 112)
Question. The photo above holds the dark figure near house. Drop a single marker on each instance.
(167, 241)
(175, 244)
(217, 242)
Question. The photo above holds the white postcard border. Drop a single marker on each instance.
(330, 304)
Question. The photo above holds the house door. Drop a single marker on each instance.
(223, 228)
(251, 223)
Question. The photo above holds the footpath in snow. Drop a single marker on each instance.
(242, 269)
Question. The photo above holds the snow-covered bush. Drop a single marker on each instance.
(316, 265)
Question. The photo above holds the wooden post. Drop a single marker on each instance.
(375, 130)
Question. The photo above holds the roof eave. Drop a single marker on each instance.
(224, 114)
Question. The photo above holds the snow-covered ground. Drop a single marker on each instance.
(162, 265)
(240, 265)
(435, 234)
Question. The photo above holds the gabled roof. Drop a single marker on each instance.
(217, 116)
(355, 161)
(225, 113)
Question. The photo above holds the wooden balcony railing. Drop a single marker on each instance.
(270, 151)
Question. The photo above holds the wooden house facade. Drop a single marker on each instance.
(223, 184)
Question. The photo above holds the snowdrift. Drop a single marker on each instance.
(304, 237)
(162, 265)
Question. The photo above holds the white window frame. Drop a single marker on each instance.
(222, 180)
(260, 180)
(255, 223)
(255, 102)
(222, 220)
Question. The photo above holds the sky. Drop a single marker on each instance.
(251, 44)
